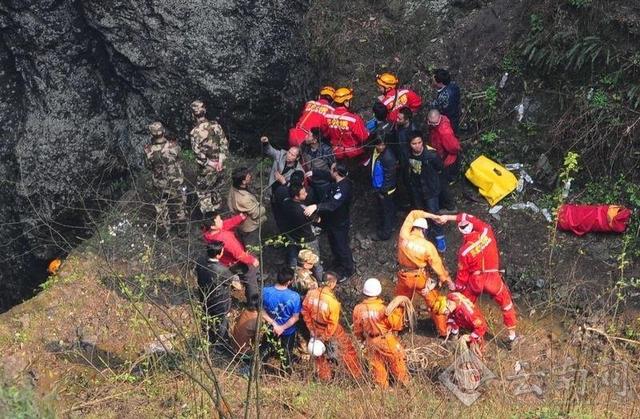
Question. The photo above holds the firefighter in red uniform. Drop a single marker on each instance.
(462, 313)
(394, 98)
(346, 130)
(312, 117)
(479, 267)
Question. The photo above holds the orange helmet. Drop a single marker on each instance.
(54, 265)
(328, 91)
(343, 94)
(387, 80)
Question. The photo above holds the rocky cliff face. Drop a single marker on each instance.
(82, 79)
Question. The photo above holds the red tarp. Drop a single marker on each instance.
(582, 219)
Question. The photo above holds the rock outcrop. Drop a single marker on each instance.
(81, 79)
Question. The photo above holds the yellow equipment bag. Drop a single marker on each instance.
(494, 181)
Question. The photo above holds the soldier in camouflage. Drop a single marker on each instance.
(210, 145)
(304, 280)
(163, 160)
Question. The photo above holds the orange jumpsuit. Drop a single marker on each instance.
(479, 268)
(467, 316)
(372, 325)
(321, 314)
(415, 255)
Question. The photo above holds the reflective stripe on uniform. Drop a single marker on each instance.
(477, 242)
(398, 95)
(341, 117)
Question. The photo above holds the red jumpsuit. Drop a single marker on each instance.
(404, 97)
(313, 116)
(444, 141)
(347, 133)
(478, 268)
(466, 316)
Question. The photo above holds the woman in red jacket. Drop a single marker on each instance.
(234, 255)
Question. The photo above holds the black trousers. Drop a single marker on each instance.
(429, 204)
(386, 214)
(280, 346)
(249, 277)
(339, 241)
(216, 326)
(449, 175)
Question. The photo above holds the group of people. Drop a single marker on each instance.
(310, 191)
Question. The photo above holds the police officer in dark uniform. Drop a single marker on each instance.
(334, 212)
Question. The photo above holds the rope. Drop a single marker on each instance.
(409, 312)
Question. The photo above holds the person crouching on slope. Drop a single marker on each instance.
(463, 314)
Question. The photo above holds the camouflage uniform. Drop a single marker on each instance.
(163, 159)
(210, 145)
(303, 279)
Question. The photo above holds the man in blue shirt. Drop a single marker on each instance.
(282, 308)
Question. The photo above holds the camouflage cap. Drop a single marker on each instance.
(156, 128)
(197, 106)
(307, 256)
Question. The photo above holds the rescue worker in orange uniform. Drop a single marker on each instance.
(372, 325)
(321, 314)
(394, 98)
(416, 254)
(462, 313)
(479, 267)
(346, 130)
(313, 116)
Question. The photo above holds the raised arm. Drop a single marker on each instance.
(405, 230)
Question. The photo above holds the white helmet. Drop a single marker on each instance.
(372, 287)
(421, 223)
(316, 347)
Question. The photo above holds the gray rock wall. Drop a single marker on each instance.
(82, 79)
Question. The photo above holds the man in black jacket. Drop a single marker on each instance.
(383, 180)
(336, 218)
(448, 97)
(214, 280)
(280, 195)
(297, 227)
(317, 158)
(424, 183)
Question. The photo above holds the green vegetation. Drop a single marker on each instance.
(535, 23)
(491, 97)
(599, 100)
(489, 138)
(188, 156)
(620, 191)
(18, 402)
(579, 3)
